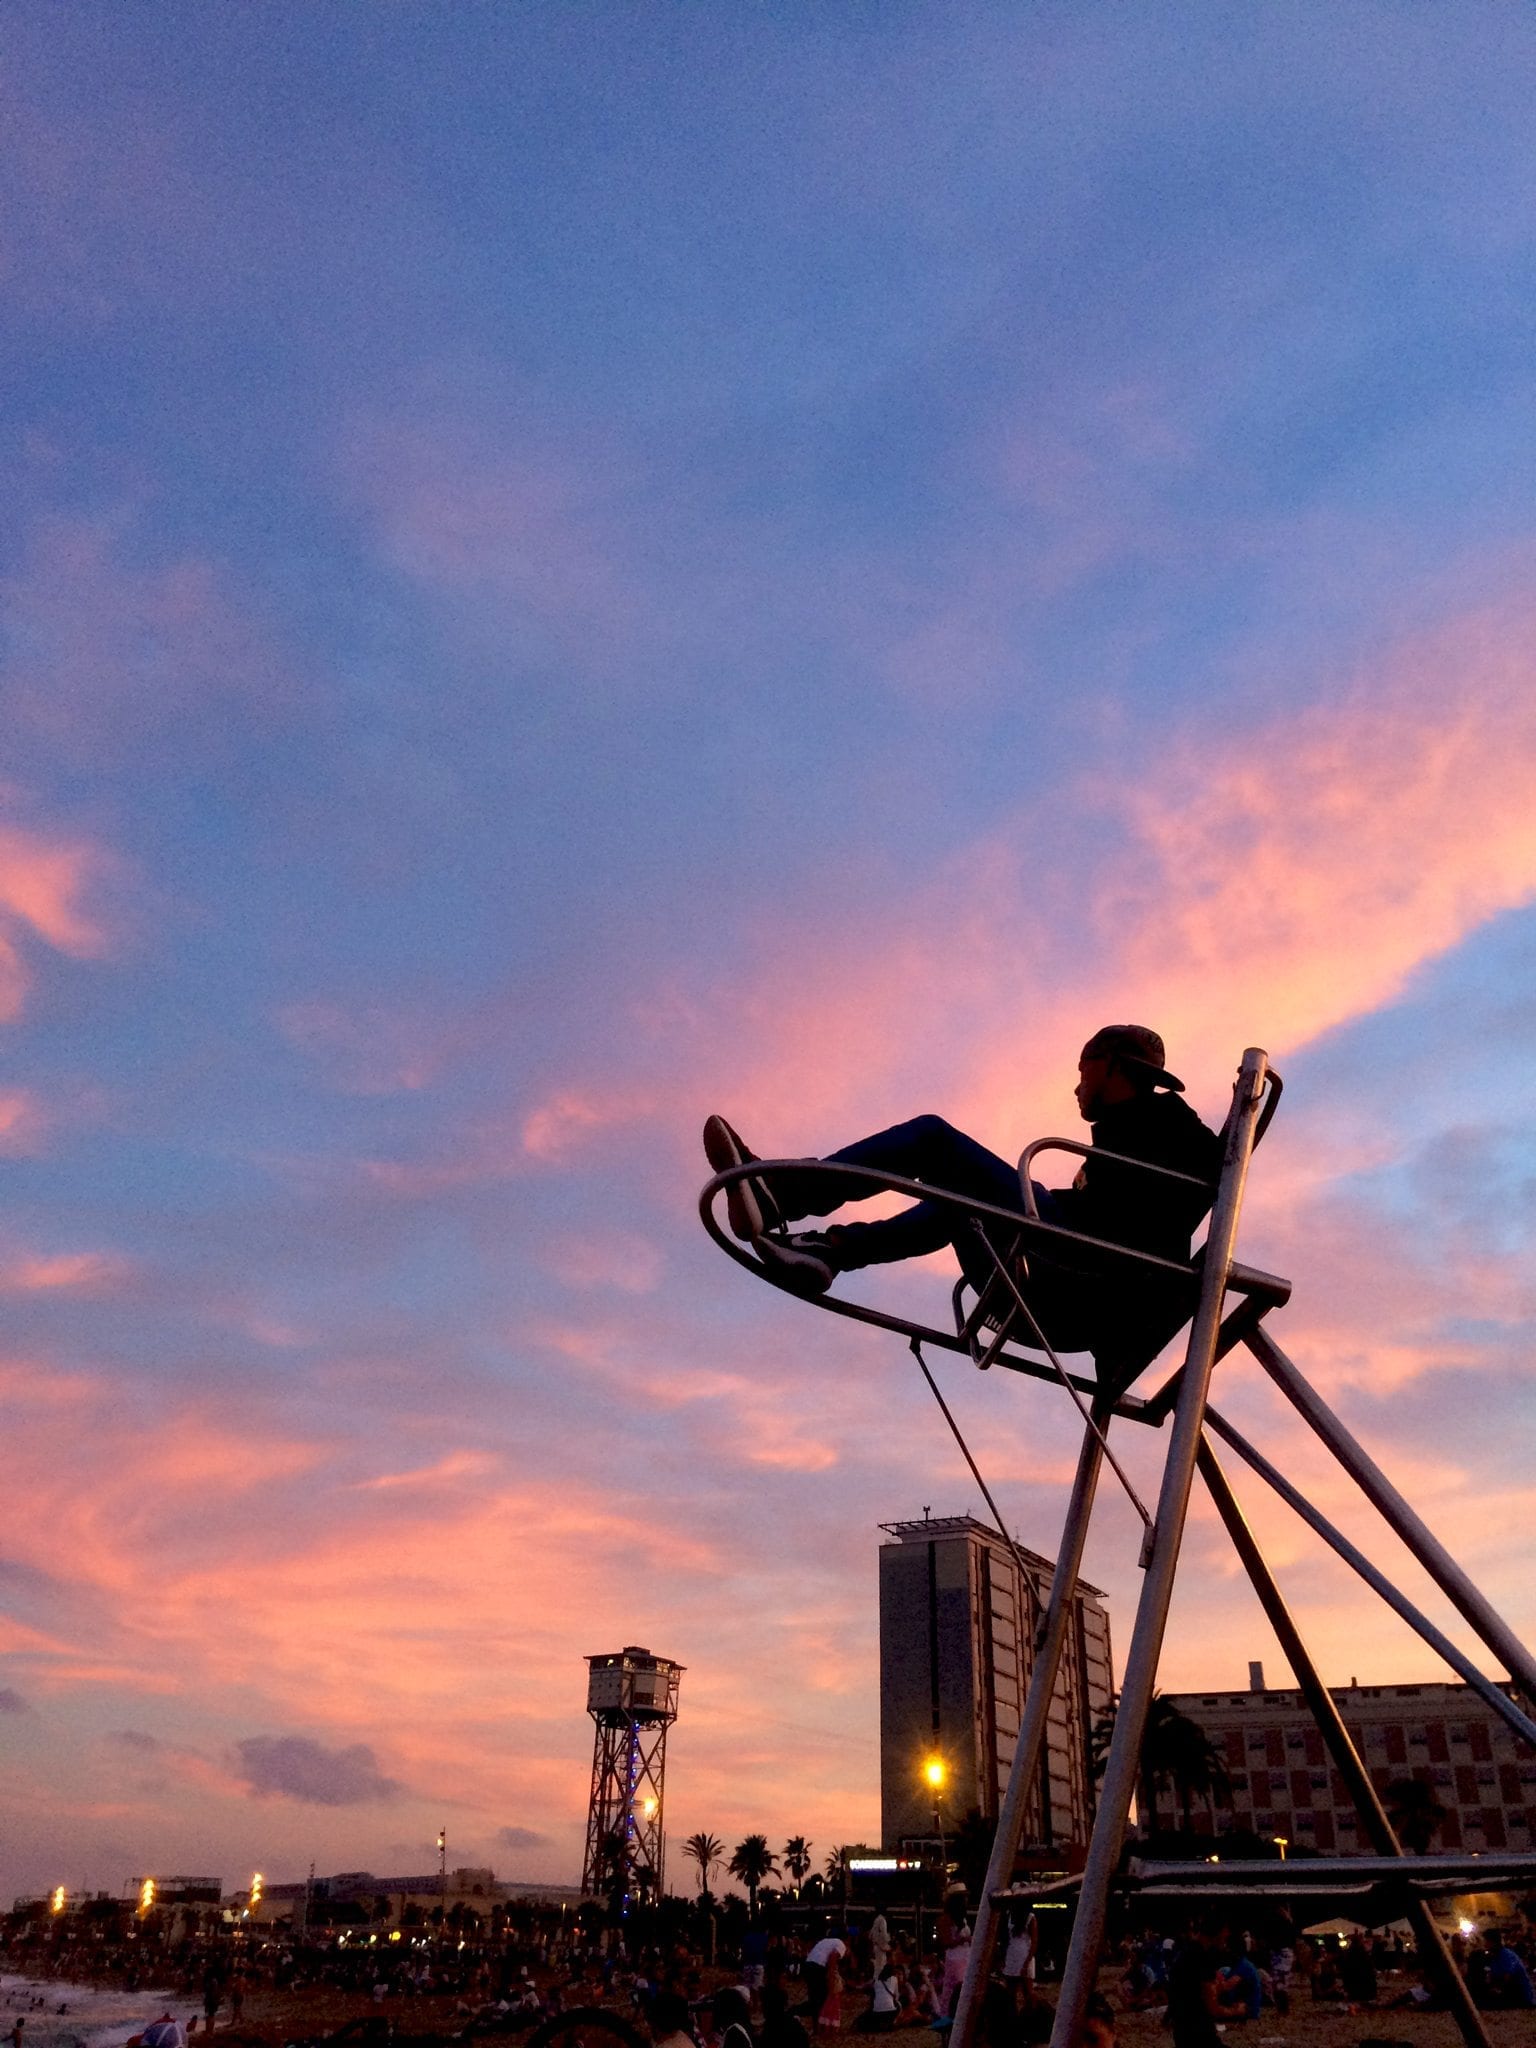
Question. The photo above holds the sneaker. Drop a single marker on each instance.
(749, 1204)
(806, 1264)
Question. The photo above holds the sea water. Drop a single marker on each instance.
(64, 2015)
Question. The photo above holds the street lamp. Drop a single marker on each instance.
(57, 1902)
(935, 1776)
(1282, 1843)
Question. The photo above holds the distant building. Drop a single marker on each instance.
(958, 1626)
(387, 1900)
(1441, 1734)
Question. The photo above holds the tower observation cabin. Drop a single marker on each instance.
(632, 1699)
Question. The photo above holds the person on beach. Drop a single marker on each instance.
(820, 1960)
(1135, 1109)
(954, 1938)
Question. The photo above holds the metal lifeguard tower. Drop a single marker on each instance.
(632, 1698)
(1225, 1305)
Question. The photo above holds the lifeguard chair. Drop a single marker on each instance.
(1224, 1304)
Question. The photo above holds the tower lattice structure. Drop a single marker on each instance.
(632, 1698)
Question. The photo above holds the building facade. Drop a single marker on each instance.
(1443, 1735)
(959, 1620)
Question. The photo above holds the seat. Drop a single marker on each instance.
(1148, 1299)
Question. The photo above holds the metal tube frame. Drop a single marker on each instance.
(1032, 1733)
(1347, 1760)
(1121, 1768)
(1186, 1397)
(1447, 1574)
(1375, 1578)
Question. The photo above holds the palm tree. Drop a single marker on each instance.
(706, 1851)
(838, 1861)
(752, 1860)
(1177, 1752)
(1414, 1812)
(797, 1859)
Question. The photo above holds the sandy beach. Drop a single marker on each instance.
(92, 2016)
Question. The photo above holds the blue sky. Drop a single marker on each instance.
(562, 569)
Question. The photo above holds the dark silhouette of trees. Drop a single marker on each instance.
(706, 1851)
(797, 1860)
(1414, 1811)
(1176, 1755)
(752, 1860)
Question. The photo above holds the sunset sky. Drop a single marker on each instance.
(566, 567)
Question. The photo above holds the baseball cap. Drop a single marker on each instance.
(1138, 1047)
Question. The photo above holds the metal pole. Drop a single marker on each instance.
(1120, 1771)
(1383, 1495)
(1031, 1737)
(1346, 1758)
(1376, 1579)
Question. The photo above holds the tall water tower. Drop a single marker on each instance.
(632, 1698)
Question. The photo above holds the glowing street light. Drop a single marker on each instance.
(57, 1901)
(1282, 1843)
(256, 1890)
(935, 1776)
(146, 1894)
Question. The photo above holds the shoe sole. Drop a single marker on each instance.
(799, 1273)
(749, 1208)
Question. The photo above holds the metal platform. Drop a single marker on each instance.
(1422, 1877)
(1223, 1305)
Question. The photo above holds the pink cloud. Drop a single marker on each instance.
(1261, 883)
(60, 1272)
(23, 1121)
(45, 886)
(619, 1258)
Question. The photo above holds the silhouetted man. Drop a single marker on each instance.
(1135, 1107)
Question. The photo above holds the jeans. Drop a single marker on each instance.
(925, 1148)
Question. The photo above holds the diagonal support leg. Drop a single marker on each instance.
(1120, 1770)
(1376, 1579)
(1346, 1758)
(1384, 1496)
(1024, 1775)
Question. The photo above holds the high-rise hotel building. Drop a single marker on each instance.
(960, 1614)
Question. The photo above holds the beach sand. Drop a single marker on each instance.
(105, 2017)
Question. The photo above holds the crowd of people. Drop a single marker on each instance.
(796, 1981)
(1212, 1977)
